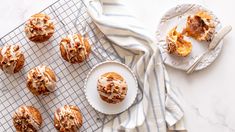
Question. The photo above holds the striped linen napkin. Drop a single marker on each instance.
(160, 108)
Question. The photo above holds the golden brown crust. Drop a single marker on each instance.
(39, 28)
(19, 64)
(41, 80)
(75, 48)
(112, 87)
(51, 73)
(11, 59)
(63, 53)
(40, 38)
(113, 75)
(200, 26)
(177, 44)
(68, 118)
(27, 118)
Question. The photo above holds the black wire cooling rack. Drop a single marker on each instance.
(69, 17)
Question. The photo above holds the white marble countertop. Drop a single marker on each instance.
(208, 94)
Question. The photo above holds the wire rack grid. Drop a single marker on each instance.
(69, 16)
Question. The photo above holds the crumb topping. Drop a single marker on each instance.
(112, 88)
(25, 120)
(41, 80)
(67, 119)
(75, 48)
(39, 25)
(10, 54)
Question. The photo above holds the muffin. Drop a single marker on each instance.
(27, 119)
(39, 28)
(11, 59)
(41, 80)
(176, 44)
(112, 87)
(68, 119)
(200, 26)
(75, 48)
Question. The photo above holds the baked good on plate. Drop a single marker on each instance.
(27, 119)
(112, 87)
(75, 48)
(200, 26)
(176, 44)
(39, 28)
(68, 119)
(41, 80)
(11, 58)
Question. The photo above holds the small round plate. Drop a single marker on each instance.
(177, 16)
(93, 96)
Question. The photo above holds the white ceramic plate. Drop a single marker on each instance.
(92, 94)
(177, 17)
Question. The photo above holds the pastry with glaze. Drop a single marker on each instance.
(200, 26)
(112, 87)
(11, 59)
(75, 48)
(176, 44)
(68, 119)
(39, 28)
(27, 119)
(41, 80)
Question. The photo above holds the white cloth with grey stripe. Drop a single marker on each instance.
(160, 109)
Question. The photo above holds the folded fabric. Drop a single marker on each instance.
(160, 107)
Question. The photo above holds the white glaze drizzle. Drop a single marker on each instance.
(84, 51)
(63, 117)
(9, 67)
(74, 40)
(104, 82)
(41, 71)
(24, 112)
(39, 23)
